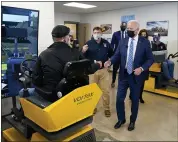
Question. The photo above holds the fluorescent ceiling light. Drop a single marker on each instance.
(79, 5)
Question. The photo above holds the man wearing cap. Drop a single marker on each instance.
(50, 64)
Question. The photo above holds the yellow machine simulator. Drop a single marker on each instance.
(157, 84)
(67, 119)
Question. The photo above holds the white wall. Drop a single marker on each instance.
(61, 17)
(46, 20)
(166, 11)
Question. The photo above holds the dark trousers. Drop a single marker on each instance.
(135, 87)
(141, 90)
(114, 73)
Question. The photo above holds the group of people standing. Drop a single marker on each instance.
(131, 53)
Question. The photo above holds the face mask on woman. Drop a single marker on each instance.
(143, 34)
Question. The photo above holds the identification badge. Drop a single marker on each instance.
(161, 47)
(105, 45)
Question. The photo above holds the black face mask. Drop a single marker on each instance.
(122, 28)
(143, 36)
(130, 33)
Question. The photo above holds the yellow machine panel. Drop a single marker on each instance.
(156, 67)
(12, 134)
(150, 86)
(75, 106)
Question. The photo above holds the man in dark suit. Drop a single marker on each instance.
(135, 57)
(117, 36)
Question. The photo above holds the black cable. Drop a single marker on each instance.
(175, 55)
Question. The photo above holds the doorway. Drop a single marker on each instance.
(80, 31)
(73, 28)
(84, 33)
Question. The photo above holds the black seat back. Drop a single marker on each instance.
(65, 86)
(77, 69)
(75, 76)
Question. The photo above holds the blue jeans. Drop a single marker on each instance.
(30, 91)
(168, 69)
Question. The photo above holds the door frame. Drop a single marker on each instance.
(72, 22)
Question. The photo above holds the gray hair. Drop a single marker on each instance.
(134, 21)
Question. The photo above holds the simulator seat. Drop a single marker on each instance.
(66, 119)
(157, 82)
(75, 75)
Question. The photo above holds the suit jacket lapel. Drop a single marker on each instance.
(126, 45)
(138, 48)
(125, 49)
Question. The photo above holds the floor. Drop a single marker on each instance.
(157, 120)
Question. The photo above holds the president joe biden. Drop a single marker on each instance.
(134, 56)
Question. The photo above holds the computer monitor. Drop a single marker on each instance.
(159, 58)
(3, 71)
(19, 38)
(19, 30)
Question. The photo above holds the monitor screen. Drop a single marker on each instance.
(3, 70)
(19, 31)
(19, 40)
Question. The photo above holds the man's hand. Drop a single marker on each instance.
(137, 71)
(85, 48)
(107, 64)
(100, 63)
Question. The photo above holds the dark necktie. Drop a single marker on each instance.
(130, 58)
(122, 35)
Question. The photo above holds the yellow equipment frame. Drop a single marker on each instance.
(74, 107)
(150, 84)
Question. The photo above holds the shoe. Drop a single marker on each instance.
(131, 126)
(107, 113)
(95, 111)
(119, 124)
(113, 85)
(172, 81)
(176, 82)
(142, 101)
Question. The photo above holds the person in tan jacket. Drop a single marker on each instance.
(99, 49)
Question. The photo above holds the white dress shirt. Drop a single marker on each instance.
(135, 41)
(124, 34)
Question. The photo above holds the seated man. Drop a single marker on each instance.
(167, 65)
(49, 68)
